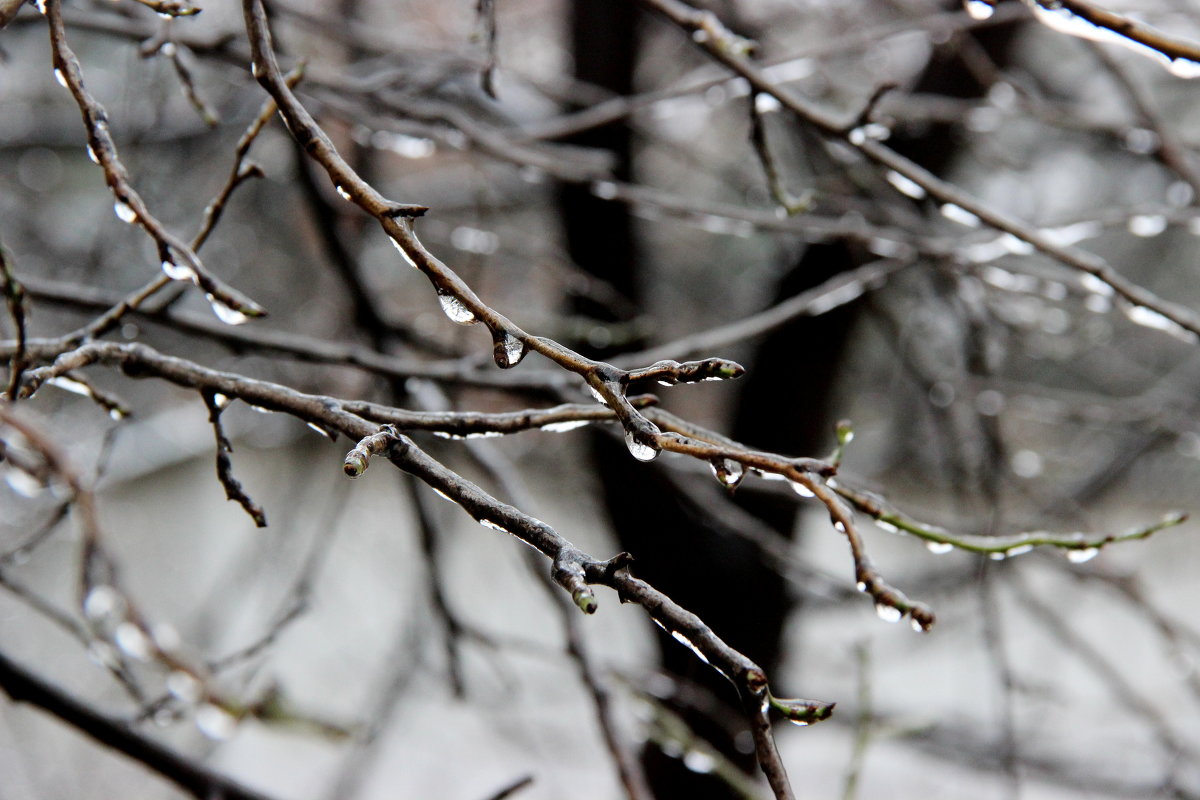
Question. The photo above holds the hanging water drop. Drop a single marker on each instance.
(103, 602)
(225, 313)
(1080, 556)
(330, 435)
(92, 155)
(399, 247)
(221, 401)
(508, 350)
(40, 5)
(342, 193)
(800, 489)
(979, 9)
(184, 687)
(454, 308)
(727, 471)
(888, 613)
(563, 427)
(133, 641)
(178, 272)
(215, 722)
(61, 78)
(939, 548)
(124, 212)
(641, 444)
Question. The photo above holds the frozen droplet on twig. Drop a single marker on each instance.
(61, 78)
(563, 427)
(801, 489)
(455, 309)
(103, 602)
(888, 613)
(1080, 556)
(226, 313)
(979, 9)
(939, 548)
(729, 473)
(215, 722)
(124, 212)
(641, 444)
(178, 272)
(508, 350)
(184, 686)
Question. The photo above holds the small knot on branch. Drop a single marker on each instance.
(405, 210)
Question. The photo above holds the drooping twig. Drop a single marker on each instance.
(233, 487)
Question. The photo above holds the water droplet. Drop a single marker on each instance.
(1147, 225)
(978, 9)
(215, 722)
(686, 642)
(400, 248)
(255, 70)
(259, 409)
(1080, 556)
(839, 526)
(905, 185)
(230, 316)
(641, 444)
(133, 641)
(92, 155)
(103, 602)
(998, 555)
(861, 586)
(917, 626)
(454, 308)
(888, 613)
(178, 272)
(124, 212)
(939, 548)
(23, 483)
(221, 401)
(184, 686)
(444, 496)
(727, 471)
(768, 104)
(496, 526)
(1016, 245)
(884, 525)
(1184, 68)
(168, 49)
(956, 213)
(700, 35)
(1149, 318)
(61, 78)
(508, 350)
(40, 5)
(330, 435)
(71, 385)
(1074, 233)
(800, 489)
(699, 762)
(563, 427)
(342, 193)
(605, 190)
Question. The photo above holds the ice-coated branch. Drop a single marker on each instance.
(178, 259)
